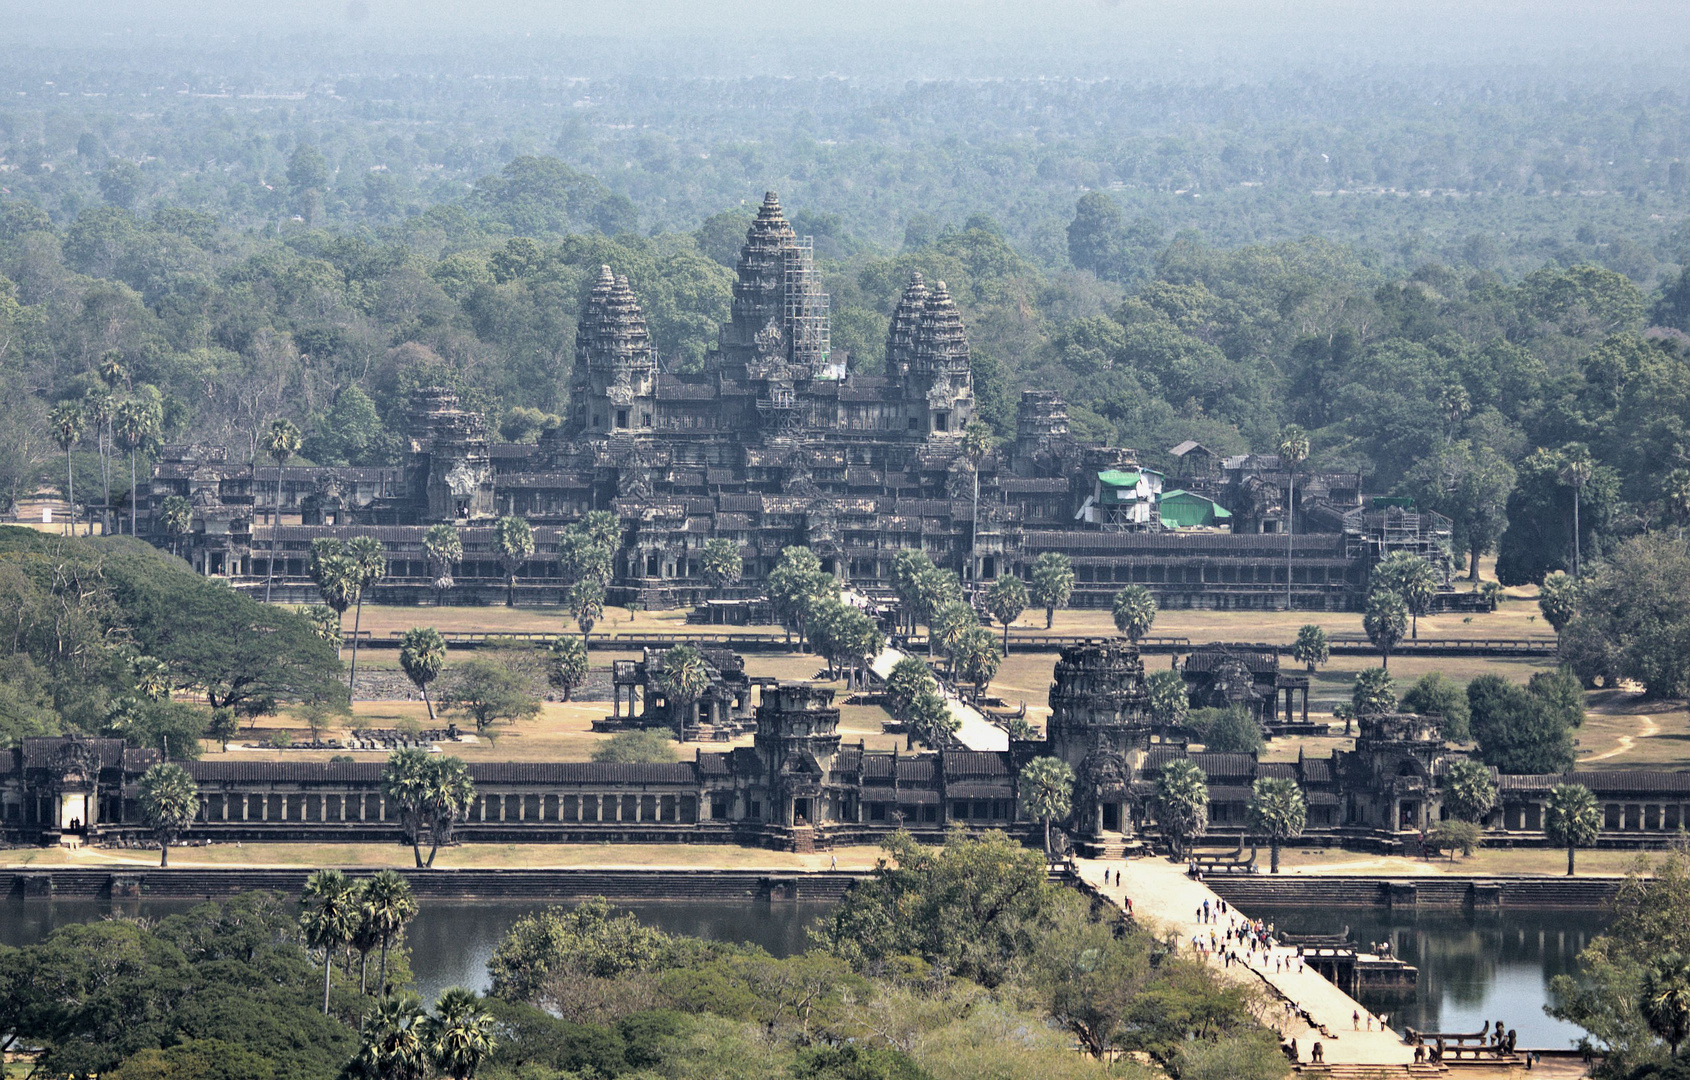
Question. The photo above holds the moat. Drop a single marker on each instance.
(1473, 967)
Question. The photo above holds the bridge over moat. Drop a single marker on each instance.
(1319, 1012)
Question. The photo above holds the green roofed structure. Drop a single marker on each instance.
(1180, 509)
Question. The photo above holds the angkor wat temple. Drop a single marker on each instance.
(798, 785)
(779, 440)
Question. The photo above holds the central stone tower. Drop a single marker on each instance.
(1099, 720)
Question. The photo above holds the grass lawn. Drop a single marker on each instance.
(1623, 731)
(521, 856)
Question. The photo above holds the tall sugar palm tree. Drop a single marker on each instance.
(683, 680)
(1182, 804)
(176, 514)
(135, 424)
(170, 800)
(1293, 451)
(444, 549)
(1665, 1001)
(1575, 473)
(281, 442)
(330, 918)
(1046, 792)
(722, 564)
(68, 423)
(1278, 811)
(1134, 611)
(1006, 600)
(393, 1045)
(369, 562)
(976, 444)
(459, 1034)
(1572, 819)
(389, 905)
(513, 540)
(422, 655)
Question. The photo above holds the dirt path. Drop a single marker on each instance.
(1646, 728)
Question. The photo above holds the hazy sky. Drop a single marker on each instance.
(966, 37)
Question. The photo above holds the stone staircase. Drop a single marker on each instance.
(1427, 890)
(1374, 1072)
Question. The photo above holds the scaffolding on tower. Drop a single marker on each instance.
(807, 313)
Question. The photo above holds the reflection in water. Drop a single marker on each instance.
(1474, 966)
(451, 943)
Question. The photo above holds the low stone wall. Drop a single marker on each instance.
(1439, 891)
(561, 885)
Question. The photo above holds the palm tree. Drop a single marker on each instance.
(930, 717)
(1469, 790)
(1182, 804)
(330, 919)
(513, 540)
(1410, 577)
(135, 424)
(337, 580)
(1677, 492)
(1045, 790)
(683, 680)
(1293, 450)
(1374, 692)
(586, 604)
(422, 655)
(569, 666)
(170, 800)
(1312, 646)
(280, 443)
(975, 658)
(1278, 811)
(369, 563)
(1006, 600)
(1575, 473)
(1572, 818)
(976, 444)
(444, 549)
(907, 567)
(1135, 611)
(366, 934)
(1665, 1001)
(176, 514)
(68, 423)
(1557, 599)
(447, 797)
(98, 402)
(388, 905)
(393, 1046)
(949, 623)
(1385, 621)
(459, 1034)
(1053, 583)
(721, 564)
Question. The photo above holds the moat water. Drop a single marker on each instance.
(1473, 966)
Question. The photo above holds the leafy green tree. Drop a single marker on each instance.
(796, 585)
(1631, 620)
(1469, 790)
(1169, 702)
(1182, 804)
(444, 549)
(281, 442)
(975, 658)
(648, 746)
(1278, 811)
(1045, 792)
(1470, 484)
(369, 565)
(329, 919)
(513, 542)
(1312, 647)
(1455, 835)
(349, 433)
(1541, 535)
(1571, 819)
(459, 1035)
(1006, 599)
(569, 667)
(1435, 694)
(422, 655)
(1385, 622)
(967, 907)
(1052, 583)
(1518, 731)
(432, 793)
(1229, 731)
(587, 941)
(721, 563)
(170, 800)
(908, 566)
(489, 693)
(1374, 692)
(1557, 599)
(683, 679)
(1412, 579)
(224, 726)
(1134, 610)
